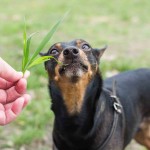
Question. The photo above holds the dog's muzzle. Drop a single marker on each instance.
(70, 52)
(73, 64)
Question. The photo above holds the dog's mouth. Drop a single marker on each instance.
(73, 69)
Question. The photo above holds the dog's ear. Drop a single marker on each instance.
(99, 52)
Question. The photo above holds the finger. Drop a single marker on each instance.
(10, 111)
(5, 84)
(3, 96)
(7, 96)
(8, 106)
(2, 117)
(11, 94)
(8, 73)
(18, 105)
(15, 110)
(27, 99)
(21, 86)
(2, 107)
(26, 74)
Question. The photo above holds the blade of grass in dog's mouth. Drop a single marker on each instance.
(28, 62)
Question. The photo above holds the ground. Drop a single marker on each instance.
(122, 25)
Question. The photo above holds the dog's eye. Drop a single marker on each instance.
(85, 46)
(54, 52)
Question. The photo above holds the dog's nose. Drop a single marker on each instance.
(69, 52)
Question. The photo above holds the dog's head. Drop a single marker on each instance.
(78, 63)
(76, 58)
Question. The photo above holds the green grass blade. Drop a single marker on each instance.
(28, 47)
(46, 39)
(24, 45)
(40, 60)
(29, 62)
(26, 50)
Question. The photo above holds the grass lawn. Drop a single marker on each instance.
(122, 25)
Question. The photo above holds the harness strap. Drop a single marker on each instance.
(118, 110)
(101, 147)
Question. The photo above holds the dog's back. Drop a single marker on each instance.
(133, 90)
(132, 84)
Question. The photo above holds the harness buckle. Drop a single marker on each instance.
(117, 107)
(116, 104)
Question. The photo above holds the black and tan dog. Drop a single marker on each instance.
(92, 114)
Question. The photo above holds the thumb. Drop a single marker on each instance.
(8, 73)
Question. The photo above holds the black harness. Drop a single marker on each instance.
(118, 109)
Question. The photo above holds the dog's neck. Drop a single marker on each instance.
(79, 105)
(73, 93)
(80, 127)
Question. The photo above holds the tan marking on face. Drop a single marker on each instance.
(58, 46)
(73, 93)
(57, 75)
(61, 57)
(78, 43)
(143, 135)
(83, 55)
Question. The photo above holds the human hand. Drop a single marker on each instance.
(12, 92)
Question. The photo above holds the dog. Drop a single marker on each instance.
(92, 113)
